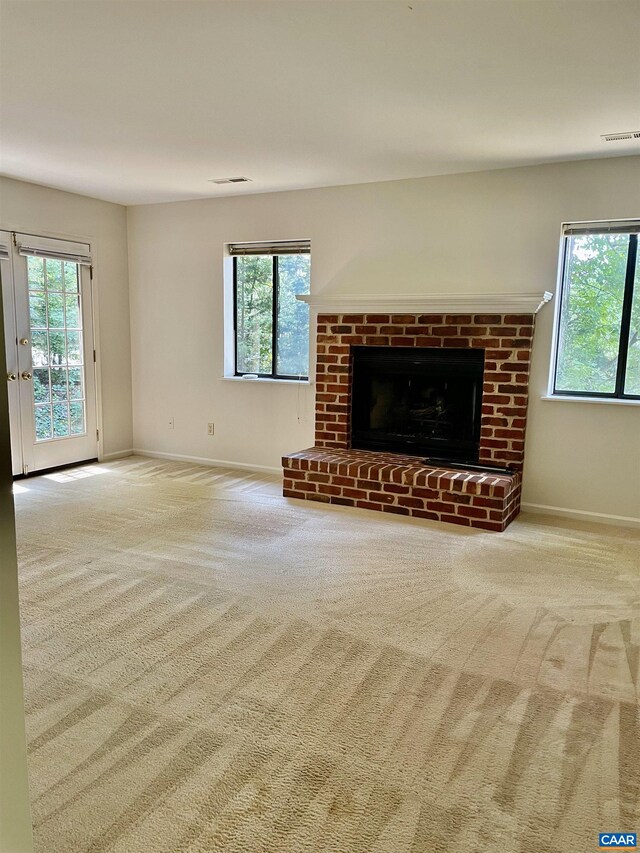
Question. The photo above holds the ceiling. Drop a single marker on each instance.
(138, 101)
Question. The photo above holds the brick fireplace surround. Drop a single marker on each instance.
(333, 472)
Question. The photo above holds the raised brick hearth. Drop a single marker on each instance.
(332, 472)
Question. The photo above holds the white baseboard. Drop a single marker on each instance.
(203, 460)
(119, 454)
(582, 515)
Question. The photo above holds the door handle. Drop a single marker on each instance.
(24, 341)
(26, 375)
(11, 377)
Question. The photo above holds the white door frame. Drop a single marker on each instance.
(11, 353)
(93, 290)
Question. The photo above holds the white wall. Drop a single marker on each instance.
(35, 209)
(485, 232)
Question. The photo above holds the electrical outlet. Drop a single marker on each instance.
(210, 429)
(171, 423)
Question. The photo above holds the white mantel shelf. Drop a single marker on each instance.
(429, 303)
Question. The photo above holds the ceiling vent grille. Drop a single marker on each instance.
(618, 137)
(239, 180)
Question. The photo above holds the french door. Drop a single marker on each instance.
(46, 290)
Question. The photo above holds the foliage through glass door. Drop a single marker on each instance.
(55, 314)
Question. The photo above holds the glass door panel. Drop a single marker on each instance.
(56, 348)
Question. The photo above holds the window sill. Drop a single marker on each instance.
(267, 380)
(606, 400)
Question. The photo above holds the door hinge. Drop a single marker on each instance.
(91, 272)
(94, 356)
(97, 435)
(15, 241)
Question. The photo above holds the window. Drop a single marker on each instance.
(598, 333)
(271, 326)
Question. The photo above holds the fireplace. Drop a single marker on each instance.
(424, 401)
(393, 388)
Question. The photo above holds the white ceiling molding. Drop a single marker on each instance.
(429, 303)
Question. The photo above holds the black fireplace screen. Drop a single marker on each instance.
(421, 401)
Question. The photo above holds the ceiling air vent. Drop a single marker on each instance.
(238, 180)
(618, 137)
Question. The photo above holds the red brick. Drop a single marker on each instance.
(472, 511)
(495, 376)
(343, 481)
(358, 494)
(508, 433)
(423, 513)
(329, 490)
(312, 477)
(516, 343)
(486, 342)
(395, 488)
(341, 501)
(411, 502)
(441, 506)
(458, 319)
(488, 525)
(487, 318)
(495, 398)
(381, 497)
(297, 475)
(489, 503)
(403, 318)
(455, 519)
(425, 493)
(514, 411)
(368, 505)
(398, 510)
(519, 319)
(444, 330)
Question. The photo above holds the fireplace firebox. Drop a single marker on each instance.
(424, 401)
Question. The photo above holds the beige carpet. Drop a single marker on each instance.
(210, 667)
